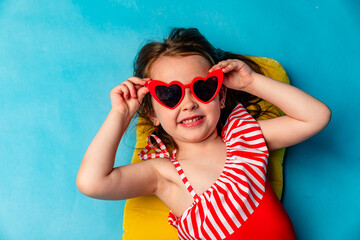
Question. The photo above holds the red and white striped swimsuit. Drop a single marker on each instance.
(241, 203)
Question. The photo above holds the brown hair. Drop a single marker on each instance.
(185, 42)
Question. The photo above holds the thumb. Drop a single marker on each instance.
(141, 93)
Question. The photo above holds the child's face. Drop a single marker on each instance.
(191, 120)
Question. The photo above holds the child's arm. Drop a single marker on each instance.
(305, 115)
(97, 176)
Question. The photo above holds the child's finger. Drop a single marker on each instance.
(141, 93)
(230, 66)
(139, 81)
(219, 65)
(124, 91)
(213, 68)
(131, 88)
(119, 90)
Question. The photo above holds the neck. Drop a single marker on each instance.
(191, 150)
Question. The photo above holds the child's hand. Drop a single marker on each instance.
(127, 97)
(237, 74)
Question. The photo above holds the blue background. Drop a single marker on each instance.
(60, 59)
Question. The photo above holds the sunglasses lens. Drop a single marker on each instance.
(170, 96)
(205, 90)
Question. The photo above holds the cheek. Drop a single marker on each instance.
(162, 114)
(157, 107)
(155, 115)
(215, 104)
(215, 108)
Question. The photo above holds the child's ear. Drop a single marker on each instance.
(222, 96)
(154, 119)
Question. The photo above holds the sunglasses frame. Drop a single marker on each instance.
(154, 83)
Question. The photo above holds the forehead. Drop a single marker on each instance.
(181, 68)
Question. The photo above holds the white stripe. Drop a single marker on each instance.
(246, 141)
(183, 230)
(182, 175)
(259, 173)
(185, 220)
(214, 224)
(193, 193)
(191, 226)
(198, 221)
(254, 180)
(240, 128)
(228, 129)
(181, 234)
(246, 126)
(247, 150)
(259, 163)
(250, 190)
(241, 115)
(237, 192)
(208, 231)
(253, 200)
(238, 112)
(242, 177)
(210, 217)
(236, 204)
(264, 149)
(257, 170)
(246, 179)
(254, 133)
(227, 209)
(219, 213)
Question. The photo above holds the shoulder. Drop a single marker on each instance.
(164, 168)
(169, 184)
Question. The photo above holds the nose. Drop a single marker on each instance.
(189, 102)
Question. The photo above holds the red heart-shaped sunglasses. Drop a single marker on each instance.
(203, 89)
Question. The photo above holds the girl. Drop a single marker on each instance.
(196, 98)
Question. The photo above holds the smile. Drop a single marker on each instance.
(191, 120)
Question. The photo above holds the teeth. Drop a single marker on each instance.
(191, 120)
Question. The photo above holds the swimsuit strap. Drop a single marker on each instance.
(160, 153)
(184, 178)
(164, 153)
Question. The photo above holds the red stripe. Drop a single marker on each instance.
(217, 215)
(258, 156)
(222, 208)
(205, 220)
(181, 235)
(244, 194)
(211, 227)
(231, 205)
(184, 228)
(193, 220)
